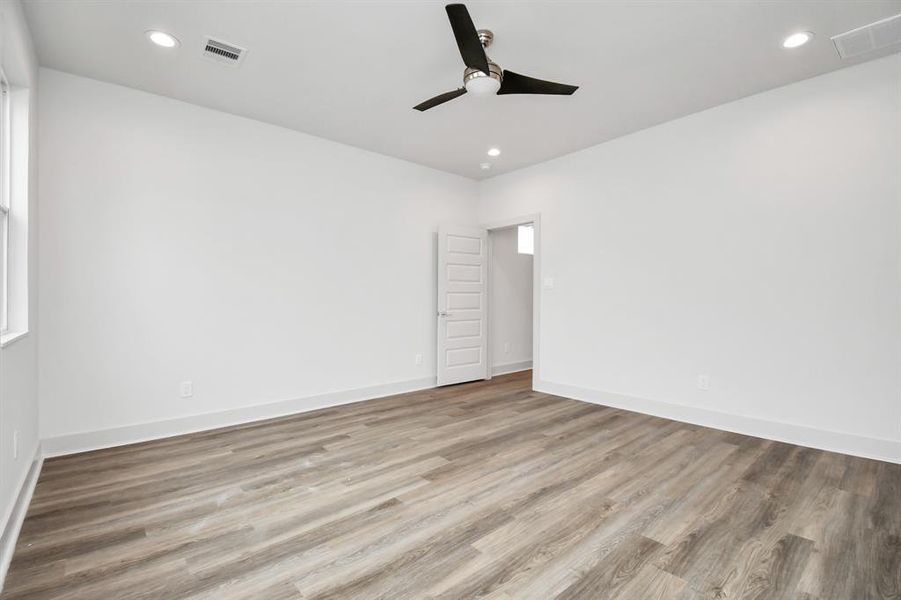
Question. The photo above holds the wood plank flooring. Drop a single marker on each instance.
(478, 490)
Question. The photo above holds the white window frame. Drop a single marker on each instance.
(5, 134)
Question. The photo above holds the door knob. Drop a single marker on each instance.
(442, 314)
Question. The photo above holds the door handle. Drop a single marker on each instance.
(443, 314)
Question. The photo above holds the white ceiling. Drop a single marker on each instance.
(352, 71)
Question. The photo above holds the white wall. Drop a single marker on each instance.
(180, 243)
(18, 359)
(511, 303)
(756, 242)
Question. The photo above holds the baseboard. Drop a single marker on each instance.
(833, 441)
(513, 367)
(10, 533)
(131, 434)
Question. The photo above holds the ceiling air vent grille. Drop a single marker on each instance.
(869, 38)
(223, 52)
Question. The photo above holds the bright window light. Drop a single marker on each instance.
(14, 124)
(4, 204)
(525, 242)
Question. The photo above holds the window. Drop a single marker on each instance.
(14, 144)
(4, 203)
(525, 239)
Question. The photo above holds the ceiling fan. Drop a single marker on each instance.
(483, 77)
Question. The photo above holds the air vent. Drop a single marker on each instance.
(223, 52)
(869, 38)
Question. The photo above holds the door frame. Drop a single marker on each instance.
(535, 220)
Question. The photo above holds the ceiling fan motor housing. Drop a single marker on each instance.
(495, 73)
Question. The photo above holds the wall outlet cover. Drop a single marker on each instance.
(704, 382)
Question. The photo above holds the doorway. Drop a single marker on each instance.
(488, 301)
(511, 252)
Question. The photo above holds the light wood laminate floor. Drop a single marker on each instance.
(483, 489)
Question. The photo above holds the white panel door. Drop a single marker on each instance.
(462, 304)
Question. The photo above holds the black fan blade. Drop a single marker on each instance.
(467, 38)
(514, 83)
(440, 99)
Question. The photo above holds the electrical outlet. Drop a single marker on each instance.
(418, 359)
(187, 389)
(15, 443)
(506, 347)
(704, 382)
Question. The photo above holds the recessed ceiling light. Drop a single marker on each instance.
(161, 38)
(797, 39)
(485, 166)
(494, 152)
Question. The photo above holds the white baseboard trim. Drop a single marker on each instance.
(833, 441)
(10, 533)
(513, 367)
(131, 434)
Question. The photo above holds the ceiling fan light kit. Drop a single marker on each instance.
(478, 83)
(482, 76)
